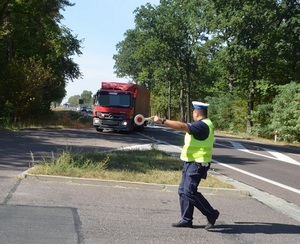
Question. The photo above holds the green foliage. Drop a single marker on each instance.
(74, 100)
(87, 98)
(85, 95)
(35, 51)
(260, 41)
(220, 112)
(286, 113)
(262, 117)
(237, 53)
(282, 115)
(30, 88)
(7, 119)
(159, 103)
(227, 113)
(165, 50)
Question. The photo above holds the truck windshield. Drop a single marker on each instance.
(114, 99)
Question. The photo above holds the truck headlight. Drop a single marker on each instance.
(100, 115)
(96, 121)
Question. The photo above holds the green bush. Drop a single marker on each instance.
(286, 114)
(227, 113)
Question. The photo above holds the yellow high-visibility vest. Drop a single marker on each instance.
(198, 151)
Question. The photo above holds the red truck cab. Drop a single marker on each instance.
(116, 104)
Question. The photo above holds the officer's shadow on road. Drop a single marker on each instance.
(256, 227)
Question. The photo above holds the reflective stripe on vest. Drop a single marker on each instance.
(198, 151)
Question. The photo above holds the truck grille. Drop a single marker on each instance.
(110, 122)
(112, 116)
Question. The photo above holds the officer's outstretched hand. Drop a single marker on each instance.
(157, 119)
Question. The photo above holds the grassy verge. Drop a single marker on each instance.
(55, 119)
(257, 139)
(150, 166)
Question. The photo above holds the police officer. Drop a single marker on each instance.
(196, 154)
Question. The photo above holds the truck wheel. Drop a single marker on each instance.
(99, 130)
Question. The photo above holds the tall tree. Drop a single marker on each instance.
(87, 97)
(169, 48)
(251, 36)
(36, 52)
(74, 100)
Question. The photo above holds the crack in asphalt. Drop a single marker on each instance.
(11, 192)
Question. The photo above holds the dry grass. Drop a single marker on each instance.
(149, 166)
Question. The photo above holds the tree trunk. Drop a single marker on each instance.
(250, 107)
(5, 20)
(169, 100)
(3, 12)
(188, 93)
(251, 92)
(9, 40)
(181, 99)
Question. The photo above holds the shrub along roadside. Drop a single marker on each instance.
(53, 119)
(149, 166)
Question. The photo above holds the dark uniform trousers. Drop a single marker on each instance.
(189, 197)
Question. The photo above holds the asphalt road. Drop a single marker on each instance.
(62, 210)
(270, 168)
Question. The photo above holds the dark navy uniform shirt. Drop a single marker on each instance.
(199, 130)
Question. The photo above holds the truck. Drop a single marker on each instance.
(116, 104)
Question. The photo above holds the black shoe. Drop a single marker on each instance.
(183, 224)
(212, 220)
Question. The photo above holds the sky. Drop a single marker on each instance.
(101, 24)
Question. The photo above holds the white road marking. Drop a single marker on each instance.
(237, 169)
(259, 177)
(239, 146)
(281, 156)
(282, 159)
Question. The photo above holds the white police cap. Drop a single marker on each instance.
(200, 105)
